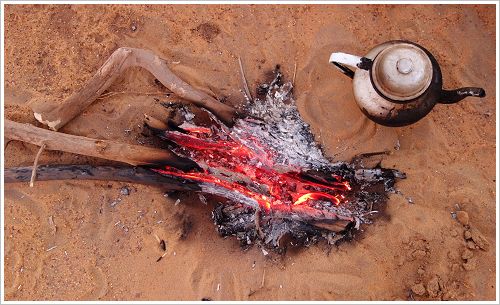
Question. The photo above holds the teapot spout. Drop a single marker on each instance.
(454, 96)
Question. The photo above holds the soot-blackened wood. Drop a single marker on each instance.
(140, 175)
(104, 173)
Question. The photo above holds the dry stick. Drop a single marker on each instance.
(294, 73)
(110, 150)
(35, 164)
(244, 80)
(104, 173)
(263, 279)
(113, 93)
(121, 59)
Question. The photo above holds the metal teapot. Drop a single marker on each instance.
(398, 82)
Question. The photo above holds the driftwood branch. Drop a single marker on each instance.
(123, 58)
(104, 173)
(127, 153)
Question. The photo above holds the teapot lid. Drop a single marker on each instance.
(402, 72)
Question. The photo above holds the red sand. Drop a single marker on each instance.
(110, 253)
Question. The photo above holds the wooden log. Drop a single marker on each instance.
(57, 116)
(127, 153)
(105, 173)
(320, 219)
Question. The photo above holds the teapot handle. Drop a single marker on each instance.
(341, 60)
(454, 96)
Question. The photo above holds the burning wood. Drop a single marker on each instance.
(273, 176)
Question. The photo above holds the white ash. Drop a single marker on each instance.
(233, 195)
(279, 126)
(188, 115)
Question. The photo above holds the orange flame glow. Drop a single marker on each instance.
(316, 196)
(249, 171)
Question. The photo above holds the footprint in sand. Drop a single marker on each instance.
(37, 212)
(100, 288)
(321, 285)
(12, 275)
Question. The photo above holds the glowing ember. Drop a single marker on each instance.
(217, 152)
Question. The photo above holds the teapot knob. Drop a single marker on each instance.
(404, 65)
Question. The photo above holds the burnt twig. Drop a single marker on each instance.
(258, 229)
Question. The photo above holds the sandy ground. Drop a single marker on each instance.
(109, 253)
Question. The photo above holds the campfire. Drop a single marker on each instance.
(273, 177)
(272, 184)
